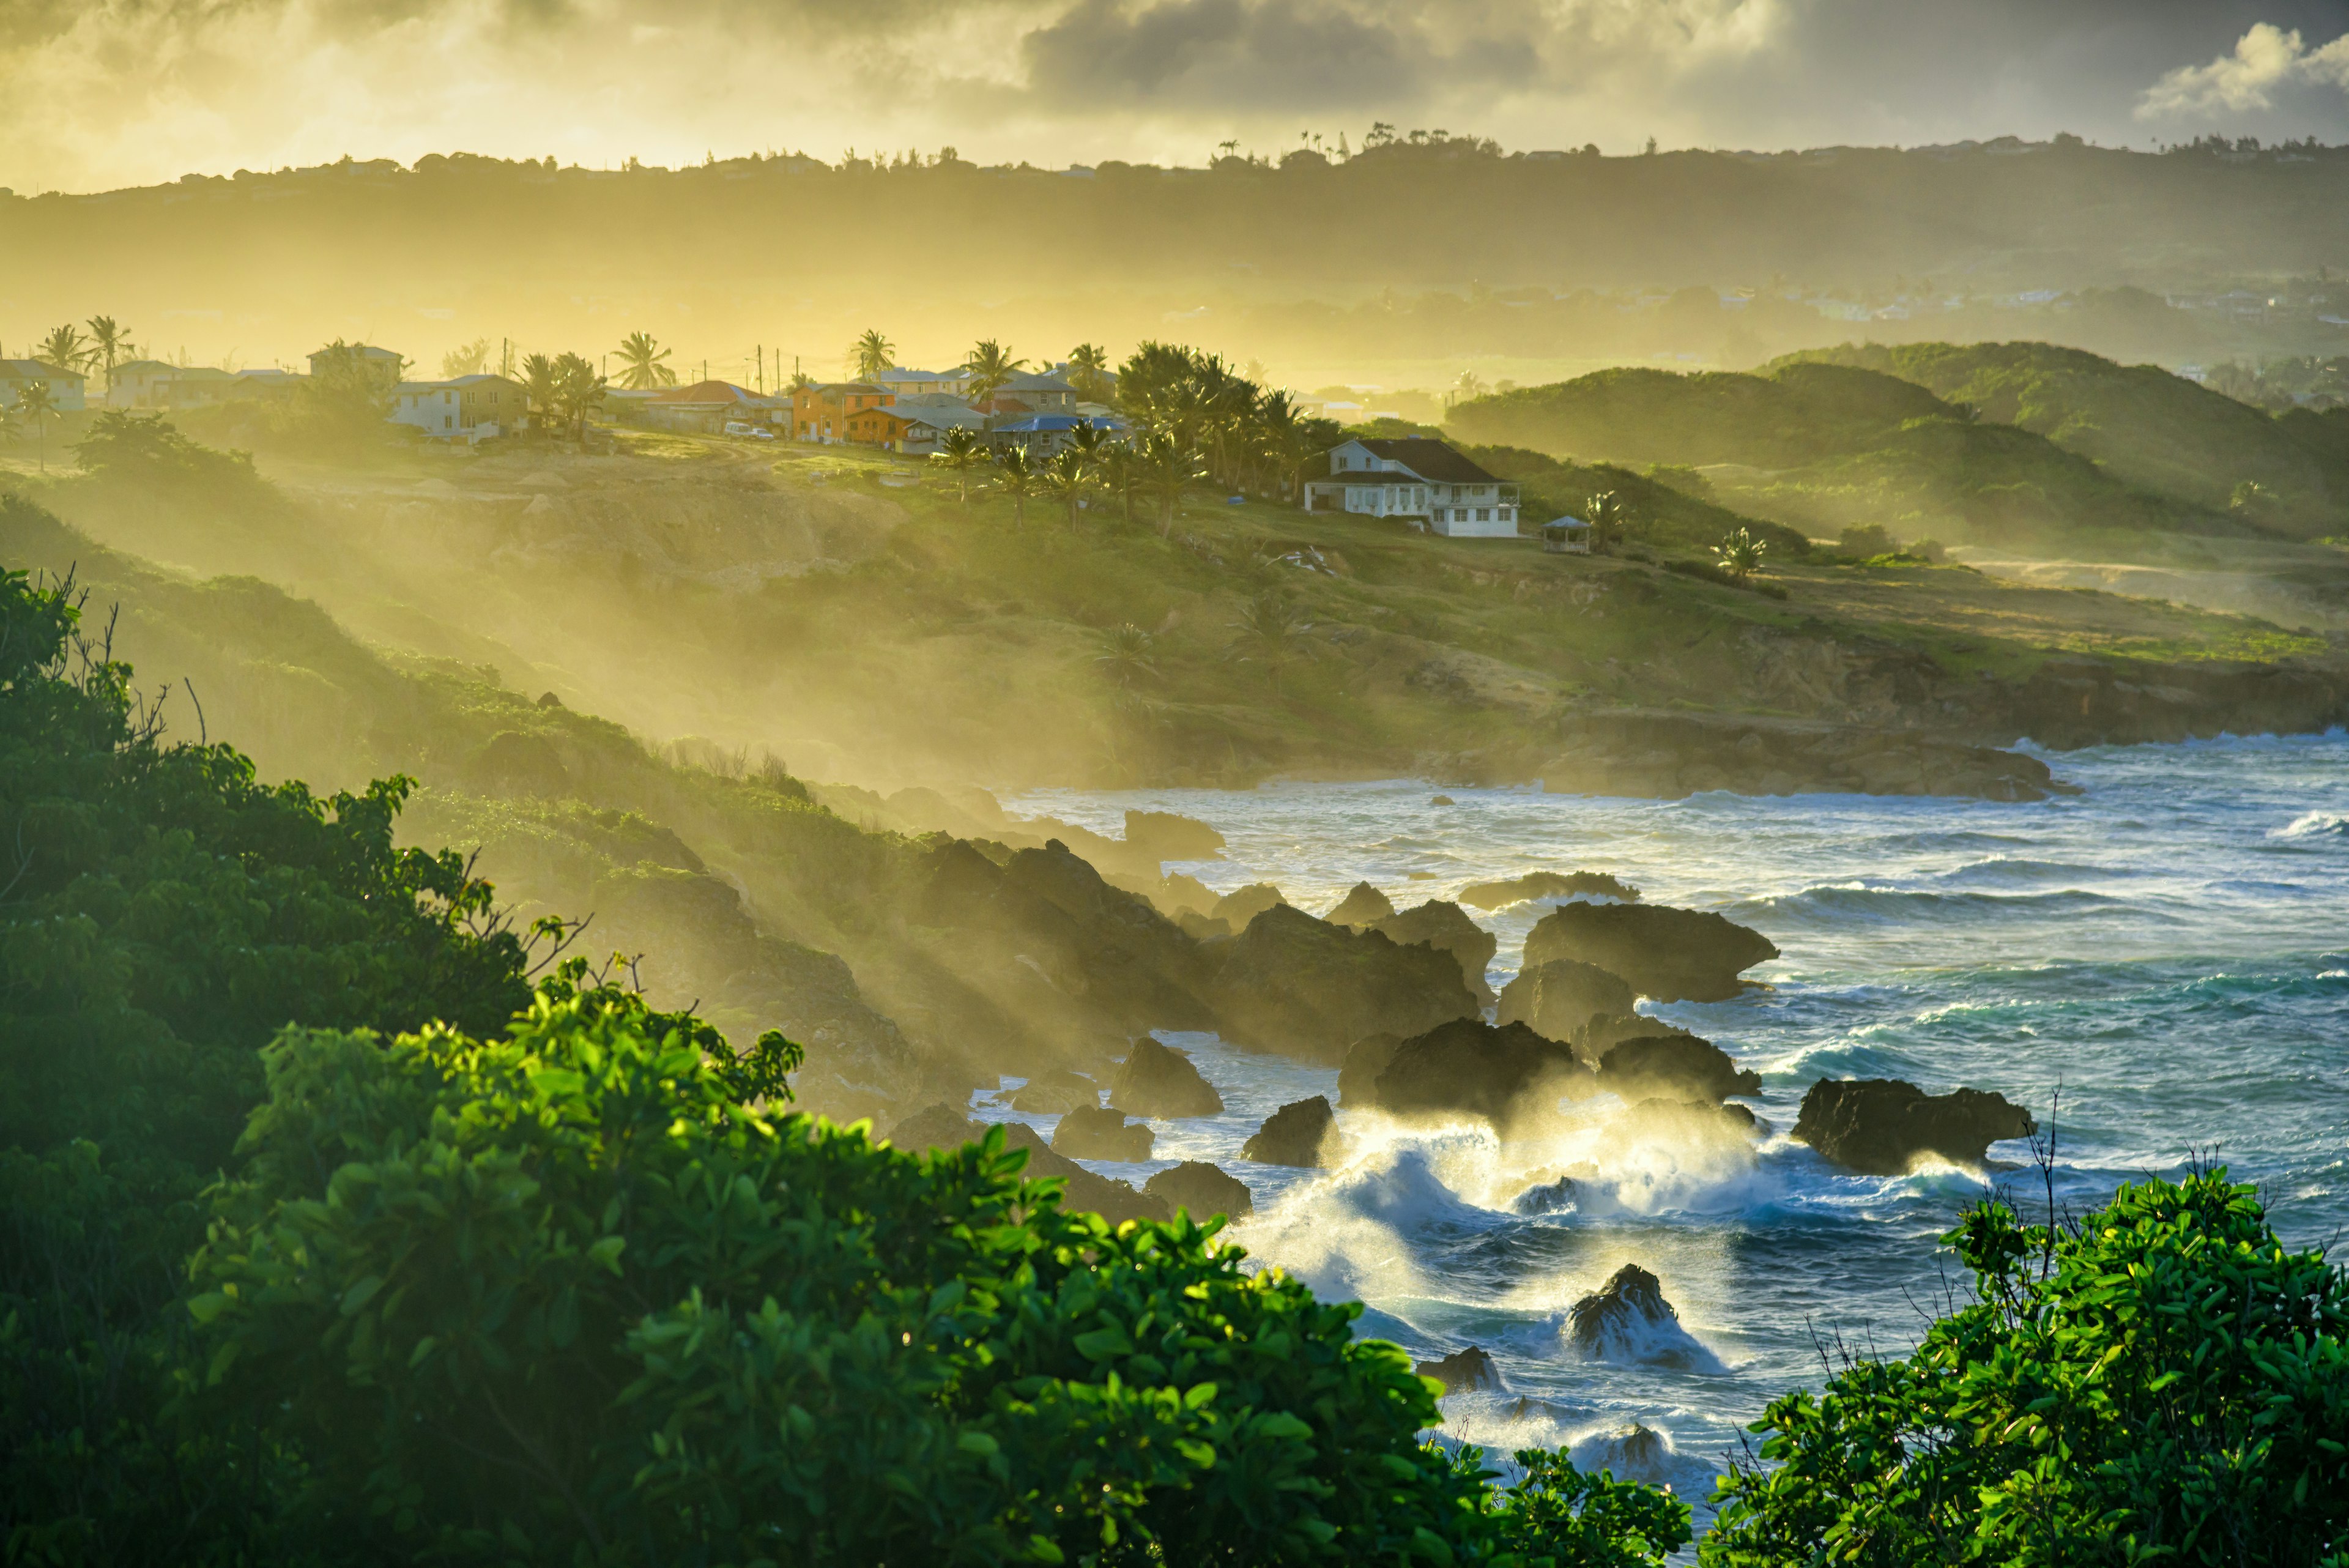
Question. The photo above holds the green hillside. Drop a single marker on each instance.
(2144, 426)
(1818, 447)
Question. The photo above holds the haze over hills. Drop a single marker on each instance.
(1715, 257)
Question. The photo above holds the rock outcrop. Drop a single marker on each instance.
(1547, 885)
(1056, 1093)
(1469, 1371)
(1358, 1076)
(1115, 1201)
(1306, 988)
(1161, 1082)
(1881, 1125)
(1363, 905)
(941, 1126)
(1559, 998)
(1473, 1068)
(1676, 1065)
(1302, 1133)
(1446, 927)
(1162, 835)
(1203, 1189)
(1671, 955)
(1241, 905)
(1668, 755)
(1629, 1320)
(1098, 1132)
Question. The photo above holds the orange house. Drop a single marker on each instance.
(823, 412)
(884, 427)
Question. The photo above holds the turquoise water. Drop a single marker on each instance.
(2157, 968)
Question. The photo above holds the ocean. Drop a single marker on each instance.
(2157, 968)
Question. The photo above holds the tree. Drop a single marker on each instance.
(1089, 373)
(347, 402)
(990, 367)
(1740, 552)
(1271, 631)
(1016, 475)
(959, 452)
(1128, 654)
(642, 363)
(1165, 466)
(109, 342)
(543, 387)
(872, 355)
(64, 347)
(578, 391)
(465, 360)
(37, 407)
(1068, 478)
(2159, 1381)
(1605, 514)
(1121, 468)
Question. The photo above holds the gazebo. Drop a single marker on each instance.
(1566, 536)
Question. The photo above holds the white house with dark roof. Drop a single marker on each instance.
(467, 409)
(1417, 477)
(65, 385)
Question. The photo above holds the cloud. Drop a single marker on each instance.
(2266, 58)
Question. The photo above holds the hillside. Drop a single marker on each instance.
(2143, 425)
(1823, 446)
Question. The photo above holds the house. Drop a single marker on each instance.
(821, 412)
(1044, 434)
(915, 426)
(707, 408)
(1420, 477)
(152, 384)
(1045, 394)
(367, 353)
(467, 409)
(901, 383)
(65, 385)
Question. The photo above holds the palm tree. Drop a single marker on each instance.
(1089, 372)
(959, 452)
(1016, 476)
(642, 365)
(8, 424)
(35, 404)
(990, 367)
(1121, 469)
(578, 388)
(1166, 466)
(1606, 519)
(64, 347)
(1271, 631)
(1740, 552)
(109, 342)
(872, 355)
(1127, 656)
(1067, 477)
(542, 386)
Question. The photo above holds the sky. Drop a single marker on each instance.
(101, 94)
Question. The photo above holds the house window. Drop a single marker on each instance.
(1484, 514)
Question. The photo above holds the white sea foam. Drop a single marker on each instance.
(2315, 825)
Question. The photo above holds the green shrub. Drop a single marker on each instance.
(2161, 1381)
(570, 1295)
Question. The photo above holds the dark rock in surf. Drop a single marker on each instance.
(1605, 1031)
(1629, 1320)
(1674, 1067)
(1115, 1201)
(1056, 1093)
(1881, 1125)
(1686, 1121)
(1438, 924)
(1299, 1134)
(1673, 955)
(1306, 988)
(1546, 1198)
(1159, 1081)
(1558, 999)
(1546, 885)
(1241, 905)
(1469, 1067)
(1362, 905)
(1358, 1077)
(1098, 1132)
(1161, 836)
(935, 1126)
(1469, 1371)
(1202, 1189)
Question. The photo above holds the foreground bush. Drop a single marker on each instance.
(571, 1295)
(2161, 1381)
